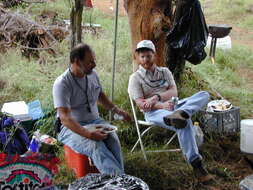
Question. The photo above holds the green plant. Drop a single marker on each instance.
(64, 175)
(225, 76)
(46, 124)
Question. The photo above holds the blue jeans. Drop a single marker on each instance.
(106, 154)
(186, 136)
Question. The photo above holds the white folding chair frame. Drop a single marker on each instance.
(150, 125)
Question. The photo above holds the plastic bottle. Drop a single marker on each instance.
(199, 135)
(118, 117)
(35, 142)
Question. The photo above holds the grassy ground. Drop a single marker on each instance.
(27, 79)
(225, 76)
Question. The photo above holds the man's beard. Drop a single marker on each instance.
(88, 72)
(85, 72)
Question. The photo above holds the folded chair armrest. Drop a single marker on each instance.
(141, 122)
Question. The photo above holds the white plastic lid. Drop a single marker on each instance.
(248, 122)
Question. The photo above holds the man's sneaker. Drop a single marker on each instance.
(178, 119)
(201, 173)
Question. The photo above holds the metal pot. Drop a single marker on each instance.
(219, 30)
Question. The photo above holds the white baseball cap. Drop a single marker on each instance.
(145, 44)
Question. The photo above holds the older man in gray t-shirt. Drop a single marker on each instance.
(76, 93)
(77, 96)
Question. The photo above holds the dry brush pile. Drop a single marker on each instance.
(18, 30)
(13, 3)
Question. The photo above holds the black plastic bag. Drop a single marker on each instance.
(108, 182)
(189, 33)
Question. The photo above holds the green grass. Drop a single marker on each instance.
(247, 22)
(26, 80)
(225, 76)
(62, 8)
(234, 12)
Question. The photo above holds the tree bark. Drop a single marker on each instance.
(150, 19)
(76, 22)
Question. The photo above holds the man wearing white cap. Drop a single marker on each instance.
(152, 88)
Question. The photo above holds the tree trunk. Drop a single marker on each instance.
(150, 19)
(76, 22)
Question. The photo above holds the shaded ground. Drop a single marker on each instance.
(169, 171)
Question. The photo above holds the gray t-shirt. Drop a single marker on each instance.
(67, 93)
(144, 83)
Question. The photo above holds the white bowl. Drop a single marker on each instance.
(106, 128)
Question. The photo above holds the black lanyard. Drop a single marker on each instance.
(83, 90)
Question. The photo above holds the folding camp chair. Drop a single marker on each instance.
(149, 126)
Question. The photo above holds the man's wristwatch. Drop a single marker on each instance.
(159, 97)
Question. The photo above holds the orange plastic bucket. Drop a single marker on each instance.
(78, 162)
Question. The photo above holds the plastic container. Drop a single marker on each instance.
(246, 144)
(199, 135)
(35, 142)
(247, 183)
(222, 43)
(28, 125)
(223, 122)
(78, 162)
